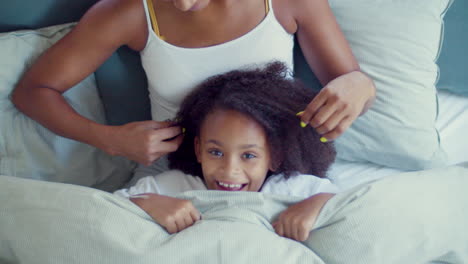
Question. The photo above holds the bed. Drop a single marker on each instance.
(402, 168)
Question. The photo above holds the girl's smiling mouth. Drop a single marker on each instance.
(230, 186)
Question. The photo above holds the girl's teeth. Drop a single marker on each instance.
(232, 186)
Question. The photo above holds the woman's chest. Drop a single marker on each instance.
(220, 22)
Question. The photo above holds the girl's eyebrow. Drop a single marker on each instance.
(214, 141)
(246, 146)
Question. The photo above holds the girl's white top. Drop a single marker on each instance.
(173, 182)
(173, 71)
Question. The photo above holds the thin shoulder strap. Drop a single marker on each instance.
(154, 21)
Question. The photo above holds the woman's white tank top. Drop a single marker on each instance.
(174, 71)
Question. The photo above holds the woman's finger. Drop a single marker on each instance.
(331, 123)
(339, 129)
(323, 114)
(166, 133)
(164, 147)
(311, 109)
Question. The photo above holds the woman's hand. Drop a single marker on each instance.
(143, 142)
(172, 213)
(339, 103)
(297, 221)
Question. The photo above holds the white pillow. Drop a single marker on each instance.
(396, 43)
(29, 150)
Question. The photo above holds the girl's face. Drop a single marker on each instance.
(190, 5)
(233, 152)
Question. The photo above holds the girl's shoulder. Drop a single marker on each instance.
(300, 185)
(173, 182)
(168, 183)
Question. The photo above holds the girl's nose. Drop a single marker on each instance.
(231, 166)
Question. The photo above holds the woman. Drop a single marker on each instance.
(182, 42)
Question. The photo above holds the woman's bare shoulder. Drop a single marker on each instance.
(104, 28)
(291, 14)
(284, 14)
(122, 21)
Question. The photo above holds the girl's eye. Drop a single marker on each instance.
(215, 152)
(248, 156)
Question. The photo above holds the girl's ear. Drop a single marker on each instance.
(196, 146)
(273, 166)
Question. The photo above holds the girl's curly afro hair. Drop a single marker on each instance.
(272, 99)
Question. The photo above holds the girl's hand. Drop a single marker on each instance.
(297, 221)
(143, 142)
(172, 213)
(339, 103)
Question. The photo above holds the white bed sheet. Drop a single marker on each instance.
(452, 123)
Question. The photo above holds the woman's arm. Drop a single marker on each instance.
(105, 27)
(348, 92)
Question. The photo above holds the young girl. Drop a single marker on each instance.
(181, 43)
(242, 134)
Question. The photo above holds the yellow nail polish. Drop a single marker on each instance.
(303, 124)
(300, 113)
(323, 140)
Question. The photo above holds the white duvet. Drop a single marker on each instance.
(417, 217)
